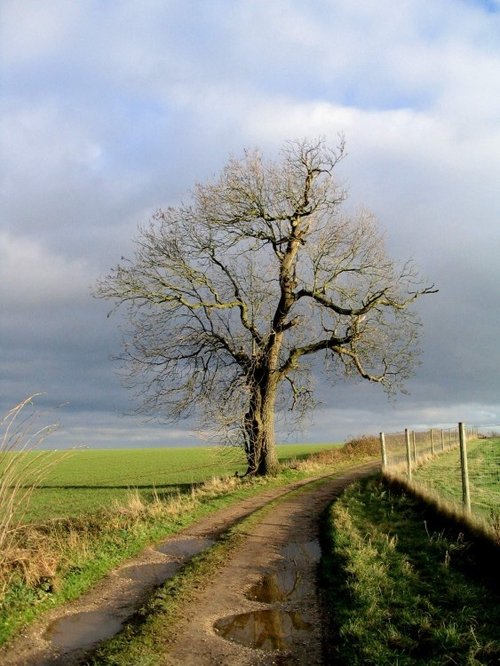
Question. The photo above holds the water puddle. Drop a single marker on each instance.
(184, 548)
(82, 629)
(273, 628)
(149, 575)
(265, 629)
(309, 551)
(276, 587)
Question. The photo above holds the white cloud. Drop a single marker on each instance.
(43, 142)
(33, 29)
(31, 276)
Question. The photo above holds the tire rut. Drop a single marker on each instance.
(263, 607)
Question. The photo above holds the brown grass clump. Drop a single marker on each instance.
(22, 468)
(33, 562)
(365, 445)
(357, 449)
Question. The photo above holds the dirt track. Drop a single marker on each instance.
(262, 608)
(277, 563)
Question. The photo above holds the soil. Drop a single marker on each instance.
(262, 607)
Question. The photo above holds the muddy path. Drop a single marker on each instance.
(261, 609)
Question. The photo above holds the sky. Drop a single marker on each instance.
(112, 109)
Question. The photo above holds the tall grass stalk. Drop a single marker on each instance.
(22, 469)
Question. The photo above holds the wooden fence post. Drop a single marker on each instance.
(433, 451)
(465, 469)
(442, 440)
(408, 453)
(383, 450)
(414, 440)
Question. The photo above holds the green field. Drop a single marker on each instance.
(443, 475)
(87, 480)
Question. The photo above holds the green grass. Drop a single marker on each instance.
(401, 589)
(88, 480)
(443, 475)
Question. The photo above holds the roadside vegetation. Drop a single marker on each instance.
(54, 560)
(22, 468)
(403, 586)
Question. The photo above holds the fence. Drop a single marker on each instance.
(460, 465)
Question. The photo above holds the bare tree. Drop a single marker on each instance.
(230, 296)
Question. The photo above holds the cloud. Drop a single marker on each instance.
(110, 110)
(32, 29)
(32, 277)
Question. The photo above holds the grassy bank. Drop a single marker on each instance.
(402, 589)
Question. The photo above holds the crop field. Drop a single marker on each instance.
(443, 475)
(87, 480)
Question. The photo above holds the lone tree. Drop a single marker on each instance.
(230, 296)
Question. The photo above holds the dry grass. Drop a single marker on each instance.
(20, 474)
(357, 449)
(41, 554)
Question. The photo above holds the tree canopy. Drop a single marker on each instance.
(229, 296)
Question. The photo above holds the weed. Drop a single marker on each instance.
(22, 469)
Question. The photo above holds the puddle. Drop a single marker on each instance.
(276, 587)
(309, 551)
(82, 629)
(286, 584)
(265, 629)
(185, 547)
(149, 574)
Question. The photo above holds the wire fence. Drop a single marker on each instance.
(460, 465)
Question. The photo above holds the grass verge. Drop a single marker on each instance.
(400, 587)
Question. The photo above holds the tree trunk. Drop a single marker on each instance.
(260, 443)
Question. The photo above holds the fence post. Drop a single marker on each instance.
(442, 440)
(432, 442)
(383, 450)
(408, 453)
(464, 466)
(414, 440)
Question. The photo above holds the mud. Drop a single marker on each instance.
(183, 548)
(286, 584)
(263, 608)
